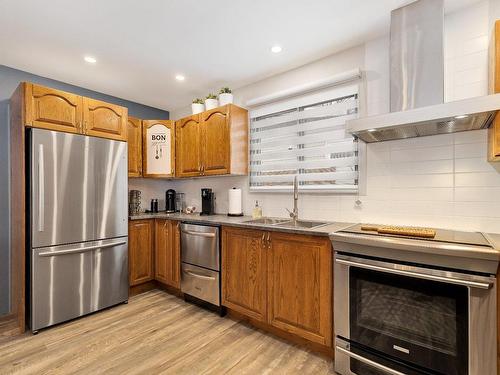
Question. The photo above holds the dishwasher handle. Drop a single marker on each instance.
(201, 234)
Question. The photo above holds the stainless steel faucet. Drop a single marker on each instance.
(295, 213)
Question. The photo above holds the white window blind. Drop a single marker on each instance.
(305, 136)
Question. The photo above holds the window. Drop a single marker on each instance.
(305, 136)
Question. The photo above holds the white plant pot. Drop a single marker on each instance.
(197, 108)
(225, 99)
(211, 104)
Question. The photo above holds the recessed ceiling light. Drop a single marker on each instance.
(371, 130)
(90, 59)
(180, 77)
(276, 49)
(461, 116)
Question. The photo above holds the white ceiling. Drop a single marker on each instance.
(141, 45)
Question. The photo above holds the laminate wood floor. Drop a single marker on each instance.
(156, 333)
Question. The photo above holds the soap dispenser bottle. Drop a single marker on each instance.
(257, 211)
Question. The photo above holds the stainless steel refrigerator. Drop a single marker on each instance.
(78, 244)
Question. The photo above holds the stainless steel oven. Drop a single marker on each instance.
(396, 317)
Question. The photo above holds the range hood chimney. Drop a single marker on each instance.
(417, 83)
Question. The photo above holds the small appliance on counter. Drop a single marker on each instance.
(207, 202)
(134, 202)
(154, 206)
(234, 204)
(170, 197)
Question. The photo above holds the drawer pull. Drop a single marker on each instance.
(199, 276)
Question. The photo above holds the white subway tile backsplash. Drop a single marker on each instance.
(477, 194)
(419, 154)
(426, 180)
(473, 165)
(471, 150)
(477, 179)
(421, 167)
(477, 136)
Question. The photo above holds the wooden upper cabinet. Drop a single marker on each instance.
(188, 143)
(215, 141)
(52, 109)
(494, 131)
(244, 272)
(158, 148)
(105, 120)
(300, 286)
(140, 247)
(134, 140)
(167, 252)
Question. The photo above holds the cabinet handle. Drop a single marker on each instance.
(268, 240)
(263, 238)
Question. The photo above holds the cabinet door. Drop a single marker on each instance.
(134, 141)
(53, 109)
(300, 286)
(158, 148)
(105, 120)
(215, 141)
(167, 252)
(244, 270)
(162, 240)
(188, 146)
(140, 244)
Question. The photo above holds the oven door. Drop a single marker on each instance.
(406, 315)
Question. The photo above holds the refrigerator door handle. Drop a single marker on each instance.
(81, 249)
(41, 189)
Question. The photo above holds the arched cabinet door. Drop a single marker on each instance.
(215, 142)
(188, 135)
(53, 109)
(134, 140)
(104, 120)
(158, 148)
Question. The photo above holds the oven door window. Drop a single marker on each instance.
(420, 322)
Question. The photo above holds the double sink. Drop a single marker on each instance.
(287, 223)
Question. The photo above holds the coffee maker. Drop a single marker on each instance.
(207, 202)
(170, 201)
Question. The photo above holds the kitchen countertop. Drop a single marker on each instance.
(240, 221)
(324, 230)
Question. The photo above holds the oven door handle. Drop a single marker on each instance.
(419, 275)
(369, 362)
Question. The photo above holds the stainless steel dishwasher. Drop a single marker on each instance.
(200, 268)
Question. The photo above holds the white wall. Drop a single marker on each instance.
(442, 181)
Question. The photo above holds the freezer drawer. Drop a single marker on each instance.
(73, 280)
(200, 245)
(201, 283)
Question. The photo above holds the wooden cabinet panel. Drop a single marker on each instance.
(105, 120)
(494, 131)
(215, 141)
(53, 109)
(188, 146)
(300, 286)
(134, 140)
(148, 170)
(244, 270)
(167, 252)
(140, 245)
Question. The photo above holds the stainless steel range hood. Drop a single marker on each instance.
(417, 83)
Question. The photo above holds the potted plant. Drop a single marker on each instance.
(197, 106)
(211, 102)
(225, 96)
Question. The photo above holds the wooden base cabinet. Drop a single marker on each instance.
(244, 272)
(284, 280)
(167, 252)
(300, 286)
(140, 247)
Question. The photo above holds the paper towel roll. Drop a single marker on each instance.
(235, 202)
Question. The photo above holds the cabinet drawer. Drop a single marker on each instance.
(200, 283)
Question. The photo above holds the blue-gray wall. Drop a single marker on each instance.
(9, 80)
